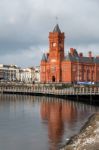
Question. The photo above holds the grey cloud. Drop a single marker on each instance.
(25, 24)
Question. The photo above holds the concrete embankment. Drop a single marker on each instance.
(88, 137)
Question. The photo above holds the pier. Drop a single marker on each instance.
(43, 90)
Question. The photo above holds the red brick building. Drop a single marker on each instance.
(56, 67)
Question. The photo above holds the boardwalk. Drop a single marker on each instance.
(31, 89)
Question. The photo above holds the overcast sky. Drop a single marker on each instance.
(25, 25)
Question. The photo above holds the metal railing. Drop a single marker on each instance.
(53, 91)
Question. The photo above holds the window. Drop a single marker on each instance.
(53, 68)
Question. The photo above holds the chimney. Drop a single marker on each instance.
(90, 54)
(80, 54)
(72, 51)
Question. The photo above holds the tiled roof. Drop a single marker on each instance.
(81, 59)
(57, 29)
(44, 58)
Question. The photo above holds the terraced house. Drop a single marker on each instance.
(56, 67)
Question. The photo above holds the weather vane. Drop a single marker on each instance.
(56, 19)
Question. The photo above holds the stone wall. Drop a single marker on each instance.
(88, 137)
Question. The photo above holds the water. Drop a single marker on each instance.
(39, 123)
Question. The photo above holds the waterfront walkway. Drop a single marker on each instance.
(43, 90)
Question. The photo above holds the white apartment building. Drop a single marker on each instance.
(37, 74)
(14, 73)
(9, 72)
(27, 75)
(30, 75)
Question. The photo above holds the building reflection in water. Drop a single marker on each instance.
(56, 112)
(59, 118)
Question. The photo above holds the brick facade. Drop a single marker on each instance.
(56, 67)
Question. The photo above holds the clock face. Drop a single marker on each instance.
(54, 44)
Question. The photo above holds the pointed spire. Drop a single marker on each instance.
(44, 57)
(57, 29)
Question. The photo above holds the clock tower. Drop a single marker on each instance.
(56, 45)
(56, 53)
(51, 63)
